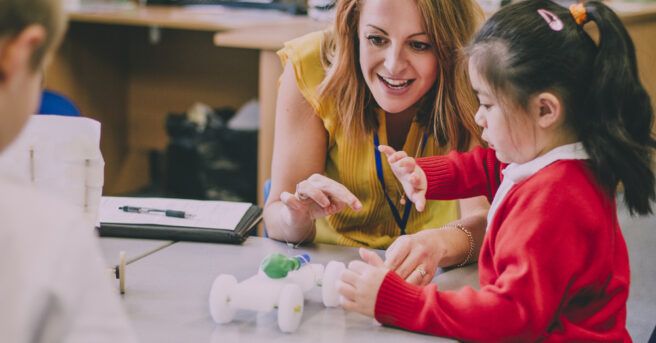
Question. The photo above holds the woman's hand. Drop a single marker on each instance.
(300, 150)
(316, 197)
(412, 177)
(416, 257)
(360, 282)
(446, 246)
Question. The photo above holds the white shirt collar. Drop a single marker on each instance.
(519, 172)
(516, 173)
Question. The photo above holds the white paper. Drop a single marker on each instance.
(205, 213)
(59, 155)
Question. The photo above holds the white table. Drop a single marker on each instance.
(167, 295)
(167, 292)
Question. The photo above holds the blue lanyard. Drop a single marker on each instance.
(401, 222)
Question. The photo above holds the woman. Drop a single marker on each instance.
(389, 72)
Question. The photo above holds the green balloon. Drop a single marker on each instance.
(276, 266)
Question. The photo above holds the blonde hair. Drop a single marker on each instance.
(16, 15)
(447, 110)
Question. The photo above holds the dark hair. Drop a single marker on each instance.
(605, 104)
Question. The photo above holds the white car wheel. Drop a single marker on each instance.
(329, 283)
(220, 308)
(290, 308)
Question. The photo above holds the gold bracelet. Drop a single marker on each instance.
(470, 253)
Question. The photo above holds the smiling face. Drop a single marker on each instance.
(396, 57)
(507, 128)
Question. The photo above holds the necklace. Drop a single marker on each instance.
(400, 221)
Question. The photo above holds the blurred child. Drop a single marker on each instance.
(566, 121)
(52, 279)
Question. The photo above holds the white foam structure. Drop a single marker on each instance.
(61, 156)
(263, 294)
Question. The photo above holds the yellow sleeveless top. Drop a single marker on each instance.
(354, 166)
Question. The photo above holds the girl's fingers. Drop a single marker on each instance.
(386, 149)
(392, 155)
(415, 180)
(371, 257)
(420, 202)
(407, 164)
(397, 156)
(348, 304)
(346, 291)
(349, 277)
(358, 267)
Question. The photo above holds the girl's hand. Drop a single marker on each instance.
(316, 197)
(416, 257)
(411, 176)
(360, 282)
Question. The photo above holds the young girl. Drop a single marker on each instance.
(566, 122)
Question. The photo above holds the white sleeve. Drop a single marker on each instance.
(96, 312)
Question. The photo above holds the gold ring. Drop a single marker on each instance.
(421, 271)
(298, 194)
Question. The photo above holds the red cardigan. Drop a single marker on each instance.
(554, 265)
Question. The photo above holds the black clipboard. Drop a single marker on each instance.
(242, 230)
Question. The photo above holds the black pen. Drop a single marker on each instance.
(168, 213)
